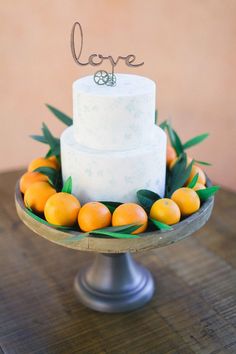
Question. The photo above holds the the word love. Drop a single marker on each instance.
(96, 59)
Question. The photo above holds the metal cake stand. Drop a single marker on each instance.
(115, 282)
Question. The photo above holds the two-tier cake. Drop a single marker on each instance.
(114, 147)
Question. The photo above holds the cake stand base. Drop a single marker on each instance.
(114, 283)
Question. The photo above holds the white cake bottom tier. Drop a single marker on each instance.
(111, 175)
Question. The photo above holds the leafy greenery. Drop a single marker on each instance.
(64, 118)
(193, 181)
(53, 142)
(196, 140)
(39, 138)
(124, 229)
(164, 125)
(48, 138)
(177, 143)
(67, 187)
(117, 231)
(203, 163)
(160, 225)
(113, 234)
(120, 232)
(146, 198)
(50, 172)
(111, 205)
(43, 221)
(178, 175)
(175, 140)
(204, 194)
(55, 178)
(48, 135)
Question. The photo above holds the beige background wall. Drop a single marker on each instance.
(188, 46)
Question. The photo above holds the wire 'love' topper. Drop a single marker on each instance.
(101, 77)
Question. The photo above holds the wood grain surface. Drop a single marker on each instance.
(193, 311)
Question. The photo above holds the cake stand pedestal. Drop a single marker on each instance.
(115, 282)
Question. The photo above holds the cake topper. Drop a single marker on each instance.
(101, 77)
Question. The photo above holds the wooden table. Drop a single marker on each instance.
(194, 310)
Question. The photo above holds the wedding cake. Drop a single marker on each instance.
(113, 149)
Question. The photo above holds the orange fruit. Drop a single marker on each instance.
(94, 215)
(165, 210)
(130, 213)
(37, 194)
(55, 161)
(201, 175)
(62, 209)
(170, 154)
(42, 162)
(29, 178)
(173, 162)
(187, 200)
(198, 186)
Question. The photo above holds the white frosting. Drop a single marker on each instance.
(114, 118)
(114, 175)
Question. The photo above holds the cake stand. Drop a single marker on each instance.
(115, 282)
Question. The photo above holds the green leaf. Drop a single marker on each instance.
(118, 231)
(178, 144)
(60, 115)
(203, 163)
(113, 234)
(193, 182)
(42, 221)
(179, 174)
(50, 172)
(29, 208)
(53, 142)
(168, 181)
(55, 177)
(175, 140)
(67, 187)
(160, 225)
(126, 229)
(55, 151)
(194, 141)
(180, 165)
(146, 198)
(111, 205)
(39, 138)
(156, 116)
(204, 194)
(49, 153)
(182, 178)
(163, 125)
(173, 175)
(48, 135)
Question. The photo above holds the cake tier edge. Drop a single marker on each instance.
(113, 175)
(115, 118)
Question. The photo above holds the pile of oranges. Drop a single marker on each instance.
(64, 209)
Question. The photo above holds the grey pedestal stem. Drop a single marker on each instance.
(114, 283)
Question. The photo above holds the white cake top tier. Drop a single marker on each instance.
(114, 118)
